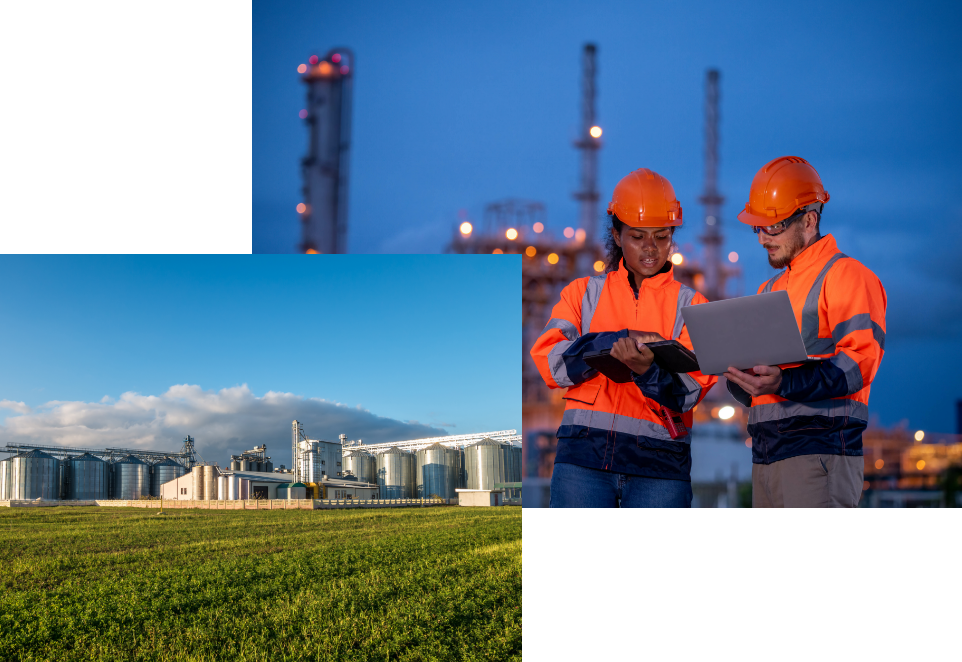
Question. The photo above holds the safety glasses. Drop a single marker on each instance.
(777, 228)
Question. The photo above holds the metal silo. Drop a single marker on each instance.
(34, 475)
(395, 474)
(87, 478)
(163, 472)
(511, 459)
(483, 465)
(4, 479)
(235, 465)
(361, 465)
(210, 483)
(437, 468)
(269, 466)
(197, 482)
(131, 478)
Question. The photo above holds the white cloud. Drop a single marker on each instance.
(19, 407)
(222, 422)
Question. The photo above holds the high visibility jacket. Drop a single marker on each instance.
(822, 408)
(614, 426)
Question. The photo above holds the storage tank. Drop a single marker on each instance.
(361, 465)
(245, 465)
(483, 464)
(235, 464)
(462, 478)
(4, 479)
(131, 478)
(163, 472)
(268, 466)
(210, 483)
(87, 478)
(233, 488)
(517, 465)
(197, 482)
(511, 458)
(221, 488)
(34, 475)
(437, 468)
(395, 474)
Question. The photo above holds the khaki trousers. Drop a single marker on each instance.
(808, 481)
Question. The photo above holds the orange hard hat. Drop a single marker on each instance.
(780, 189)
(645, 199)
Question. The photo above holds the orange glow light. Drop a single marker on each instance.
(919, 436)
(324, 68)
(733, 257)
(466, 228)
(865, 485)
(511, 234)
(538, 227)
(569, 232)
(552, 258)
(920, 465)
(595, 131)
(301, 68)
(879, 464)
(530, 251)
(677, 259)
(748, 442)
(497, 251)
(599, 266)
(301, 208)
(311, 251)
(580, 235)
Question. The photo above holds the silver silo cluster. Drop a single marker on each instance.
(131, 478)
(437, 471)
(395, 474)
(163, 472)
(484, 464)
(29, 476)
(86, 478)
(361, 465)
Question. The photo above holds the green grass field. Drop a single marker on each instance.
(392, 584)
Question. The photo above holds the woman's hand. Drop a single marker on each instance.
(634, 354)
(645, 336)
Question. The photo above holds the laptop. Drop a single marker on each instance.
(755, 330)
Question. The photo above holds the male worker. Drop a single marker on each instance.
(806, 421)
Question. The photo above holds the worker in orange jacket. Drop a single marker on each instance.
(614, 444)
(806, 421)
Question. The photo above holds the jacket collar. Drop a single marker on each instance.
(815, 255)
(659, 281)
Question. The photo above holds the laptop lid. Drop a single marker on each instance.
(744, 332)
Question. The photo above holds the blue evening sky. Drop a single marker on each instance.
(431, 339)
(459, 104)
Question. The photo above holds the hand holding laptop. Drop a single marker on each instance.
(760, 380)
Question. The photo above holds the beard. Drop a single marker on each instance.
(790, 248)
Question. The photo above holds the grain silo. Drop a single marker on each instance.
(197, 482)
(437, 471)
(34, 475)
(210, 482)
(395, 474)
(483, 464)
(4, 479)
(361, 465)
(87, 478)
(163, 472)
(131, 478)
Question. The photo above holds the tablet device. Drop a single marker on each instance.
(669, 354)
(755, 330)
(602, 361)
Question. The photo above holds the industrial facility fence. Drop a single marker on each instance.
(252, 504)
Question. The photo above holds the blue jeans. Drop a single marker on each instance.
(580, 487)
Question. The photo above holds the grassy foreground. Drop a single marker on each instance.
(392, 584)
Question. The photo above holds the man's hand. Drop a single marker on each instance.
(645, 336)
(634, 354)
(760, 380)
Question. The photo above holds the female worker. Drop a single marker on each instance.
(615, 444)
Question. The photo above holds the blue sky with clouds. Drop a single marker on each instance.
(460, 104)
(135, 350)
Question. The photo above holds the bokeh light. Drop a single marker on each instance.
(580, 235)
(599, 266)
(511, 234)
(466, 228)
(325, 68)
(538, 227)
(552, 258)
(569, 232)
(313, 59)
(726, 412)
(336, 58)
(677, 259)
(919, 436)
(748, 442)
(497, 251)
(530, 251)
(302, 114)
(595, 131)
(311, 251)
(920, 465)
(344, 70)
(733, 257)
(301, 208)
(879, 464)
(301, 68)
(865, 485)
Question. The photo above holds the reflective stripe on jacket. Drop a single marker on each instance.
(613, 426)
(822, 408)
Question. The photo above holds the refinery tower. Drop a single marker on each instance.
(324, 169)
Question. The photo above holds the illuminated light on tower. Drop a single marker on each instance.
(324, 169)
(553, 258)
(919, 436)
(530, 251)
(595, 131)
(511, 234)
(466, 228)
(301, 208)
